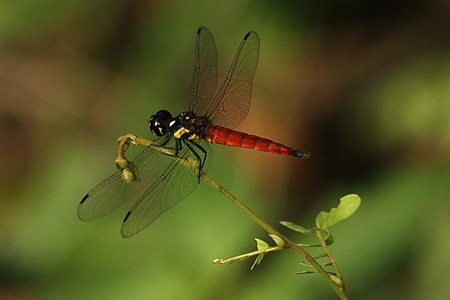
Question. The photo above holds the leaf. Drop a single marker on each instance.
(347, 206)
(305, 264)
(306, 272)
(258, 260)
(278, 240)
(261, 245)
(295, 227)
(336, 279)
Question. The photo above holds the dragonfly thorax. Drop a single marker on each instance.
(186, 125)
(189, 126)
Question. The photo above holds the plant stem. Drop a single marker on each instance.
(270, 230)
(121, 162)
(330, 256)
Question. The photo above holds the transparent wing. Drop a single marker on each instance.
(231, 104)
(113, 191)
(204, 77)
(104, 198)
(172, 185)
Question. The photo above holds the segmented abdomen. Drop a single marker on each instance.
(228, 137)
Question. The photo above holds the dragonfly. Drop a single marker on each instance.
(157, 181)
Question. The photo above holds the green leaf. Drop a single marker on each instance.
(258, 260)
(278, 240)
(306, 272)
(336, 279)
(295, 227)
(349, 204)
(305, 263)
(261, 245)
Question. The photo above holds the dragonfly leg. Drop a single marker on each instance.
(205, 154)
(191, 145)
(178, 147)
(200, 161)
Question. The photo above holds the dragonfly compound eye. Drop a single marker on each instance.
(159, 123)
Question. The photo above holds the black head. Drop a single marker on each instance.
(159, 122)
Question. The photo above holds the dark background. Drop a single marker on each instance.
(362, 85)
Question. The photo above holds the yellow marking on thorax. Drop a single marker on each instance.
(179, 133)
(194, 137)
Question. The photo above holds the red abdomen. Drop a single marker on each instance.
(228, 137)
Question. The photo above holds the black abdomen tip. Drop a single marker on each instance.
(301, 154)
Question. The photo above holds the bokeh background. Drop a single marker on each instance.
(362, 85)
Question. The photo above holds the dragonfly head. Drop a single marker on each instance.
(159, 122)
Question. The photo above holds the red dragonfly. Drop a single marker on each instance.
(160, 181)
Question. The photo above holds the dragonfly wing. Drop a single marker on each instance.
(114, 191)
(173, 184)
(104, 198)
(231, 104)
(204, 77)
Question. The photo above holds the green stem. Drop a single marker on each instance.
(269, 229)
(121, 161)
(330, 256)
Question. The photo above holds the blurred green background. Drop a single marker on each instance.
(362, 85)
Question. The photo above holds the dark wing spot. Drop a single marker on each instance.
(127, 216)
(84, 198)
